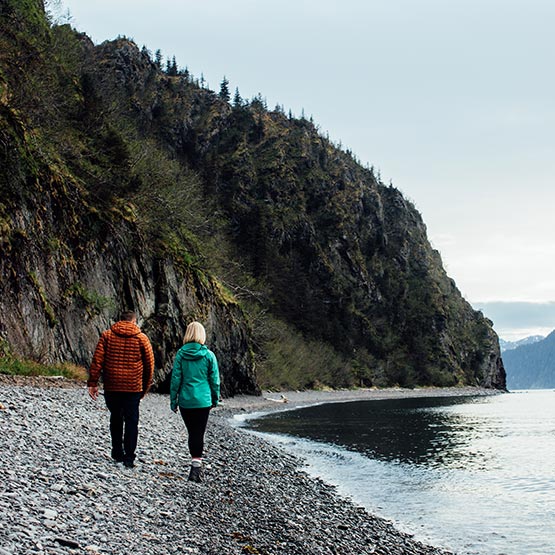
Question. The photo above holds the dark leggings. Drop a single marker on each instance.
(195, 421)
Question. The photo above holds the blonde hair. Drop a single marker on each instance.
(195, 333)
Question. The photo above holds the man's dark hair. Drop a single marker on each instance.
(128, 315)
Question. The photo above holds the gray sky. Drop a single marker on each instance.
(454, 101)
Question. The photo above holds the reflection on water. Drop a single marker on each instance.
(405, 430)
(472, 474)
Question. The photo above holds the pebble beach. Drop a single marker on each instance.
(60, 492)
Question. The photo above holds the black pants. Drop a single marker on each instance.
(124, 412)
(195, 421)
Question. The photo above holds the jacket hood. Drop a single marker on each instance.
(125, 329)
(194, 351)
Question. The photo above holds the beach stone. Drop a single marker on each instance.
(255, 498)
(67, 543)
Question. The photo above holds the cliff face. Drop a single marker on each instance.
(148, 190)
(54, 309)
(60, 290)
(346, 258)
(73, 253)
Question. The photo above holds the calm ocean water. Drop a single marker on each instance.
(473, 474)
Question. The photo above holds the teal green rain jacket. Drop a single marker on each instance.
(195, 382)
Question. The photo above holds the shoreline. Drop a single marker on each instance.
(271, 401)
(244, 409)
(61, 493)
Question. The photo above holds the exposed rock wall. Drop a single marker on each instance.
(55, 302)
(344, 259)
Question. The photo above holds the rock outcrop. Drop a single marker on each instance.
(126, 185)
(55, 300)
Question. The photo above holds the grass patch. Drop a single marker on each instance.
(93, 302)
(18, 367)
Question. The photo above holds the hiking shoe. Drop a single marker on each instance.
(129, 464)
(118, 456)
(195, 475)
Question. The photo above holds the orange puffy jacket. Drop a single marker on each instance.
(125, 359)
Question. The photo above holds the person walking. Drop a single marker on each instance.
(124, 359)
(195, 389)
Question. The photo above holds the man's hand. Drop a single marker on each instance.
(93, 392)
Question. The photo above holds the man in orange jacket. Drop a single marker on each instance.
(124, 358)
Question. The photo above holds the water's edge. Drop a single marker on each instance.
(487, 459)
(308, 452)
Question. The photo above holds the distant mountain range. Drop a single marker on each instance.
(510, 345)
(532, 365)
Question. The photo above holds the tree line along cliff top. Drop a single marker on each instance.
(128, 183)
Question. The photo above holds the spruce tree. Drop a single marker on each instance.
(224, 90)
(173, 68)
(158, 59)
(237, 100)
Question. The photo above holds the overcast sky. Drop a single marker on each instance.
(453, 101)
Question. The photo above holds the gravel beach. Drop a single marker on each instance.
(61, 493)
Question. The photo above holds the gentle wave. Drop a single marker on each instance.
(475, 475)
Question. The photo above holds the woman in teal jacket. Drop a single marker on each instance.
(195, 389)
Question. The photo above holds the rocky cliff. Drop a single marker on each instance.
(126, 185)
(73, 253)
